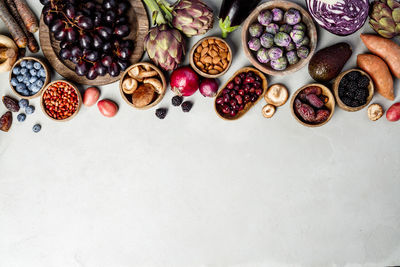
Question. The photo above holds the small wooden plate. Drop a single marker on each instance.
(79, 101)
(284, 5)
(200, 72)
(162, 78)
(139, 25)
(46, 81)
(330, 104)
(248, 105)
(342, 105)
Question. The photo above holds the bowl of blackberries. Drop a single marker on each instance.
(353, 90)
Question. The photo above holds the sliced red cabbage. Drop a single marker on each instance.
(340, 17)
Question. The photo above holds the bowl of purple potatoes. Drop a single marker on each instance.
(279, 37)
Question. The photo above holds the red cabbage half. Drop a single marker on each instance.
(340, 17)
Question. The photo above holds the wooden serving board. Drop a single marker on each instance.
(139, 25)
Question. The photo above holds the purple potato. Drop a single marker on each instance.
(303, 52)
(272, 28)
(262, 55)
(285, 28)
(292, 57)
(254, 44)
(297, 36)
(300, 26)
(255, 30)
(282, 39)
(267, 40)
(275, 53)
(277, 14)
(279, 64)
(292, 16)
(290, 47)
(265, 17)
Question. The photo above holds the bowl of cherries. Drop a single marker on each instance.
(241, 92)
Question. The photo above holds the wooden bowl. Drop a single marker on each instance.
(342, 105)
(162, 78)
(329, 105)
(200, 72)
(139, 25)
(79, 101)
(248, 105)
(46, 81)
(284, 5)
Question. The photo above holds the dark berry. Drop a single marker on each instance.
(177, 100)
(353, 75)
(363, 81)
(161, 113)
(187, 106)
(21, 117)
(36, 128)
(352, 86)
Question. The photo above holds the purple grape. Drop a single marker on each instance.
(123, 6)
(104, 32)
(85, 41)
(65, 53)
(114, 69)
(97, 42)
(71, 35)
(122, 30)
(107, 47)
(92, 73)
(107, 61)
(70, 11)
(123, 64)
(92, 55)
(110, 16)
(76, 52)
(101, 70)
(60, 35)
(81, 68)
(109, 4)
(57, 26)
(84, 22)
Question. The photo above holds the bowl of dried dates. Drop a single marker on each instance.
(313, 105)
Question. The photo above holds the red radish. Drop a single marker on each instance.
(393, 113)
(209, 87)
(91, 96)
(184, 81)
(107, 107)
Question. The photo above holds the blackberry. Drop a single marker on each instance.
(363, 81)
(354, 75)
(187, 106)
(361, 95)
(354, 103)
(344, 82)
(346, 100)
(161, 113)
(177, 100)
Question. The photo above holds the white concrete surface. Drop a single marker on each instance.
(194, 190)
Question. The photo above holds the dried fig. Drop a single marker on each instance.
(6, 121)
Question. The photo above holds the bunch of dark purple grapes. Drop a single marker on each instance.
(91, 34)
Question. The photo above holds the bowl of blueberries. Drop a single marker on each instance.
(28, 77)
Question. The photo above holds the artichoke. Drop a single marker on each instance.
(165, 46)
(385, 18)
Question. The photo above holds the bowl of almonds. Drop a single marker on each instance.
(211, 57)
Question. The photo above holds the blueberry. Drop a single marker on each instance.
(29, 109)
(24, 71)
(21, 117)
(33, 72)
(29, 65)
(36, 128)
(23, 63)
(26, 78)
(27, 83)
(33, 79)
(23, 103)
(16, 70)
(39, 83)
(37, 65)
(35, 89)
(20, 78)
(42, 73)
(14, 82)
(26, 92)
(20, 87)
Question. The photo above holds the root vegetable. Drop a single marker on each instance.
(8, 53)
(15, 30)
(375, 112)
(388, 50)
(30, 20)
(268, 111)
(107, 108)
(393, 113)
(91, 96)
(379, 72)
(276, 95)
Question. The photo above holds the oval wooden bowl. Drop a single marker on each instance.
(284, 5)
(139, 25)
(46, 81)
(330, 104)
(200, 72)
(162, 78)
(77, 109)
(342, 105)
(249, 105)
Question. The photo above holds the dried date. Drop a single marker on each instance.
(6, 121)
(11, 103)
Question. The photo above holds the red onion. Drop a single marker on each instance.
(184, 81)
(209, 87)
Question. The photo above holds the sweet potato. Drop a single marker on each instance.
(30, 20)
(16, 31)
(393, 113)
(388, 50)
(379, 72)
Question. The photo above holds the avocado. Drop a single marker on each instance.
(327, 63)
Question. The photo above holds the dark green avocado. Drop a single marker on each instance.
(327, 63)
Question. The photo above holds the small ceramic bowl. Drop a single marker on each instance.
(330, 104)
(47, 79)
(284, 5)
(160, 76)
(249, 105)
(340, 103)
(193, 52)
(42, 105)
